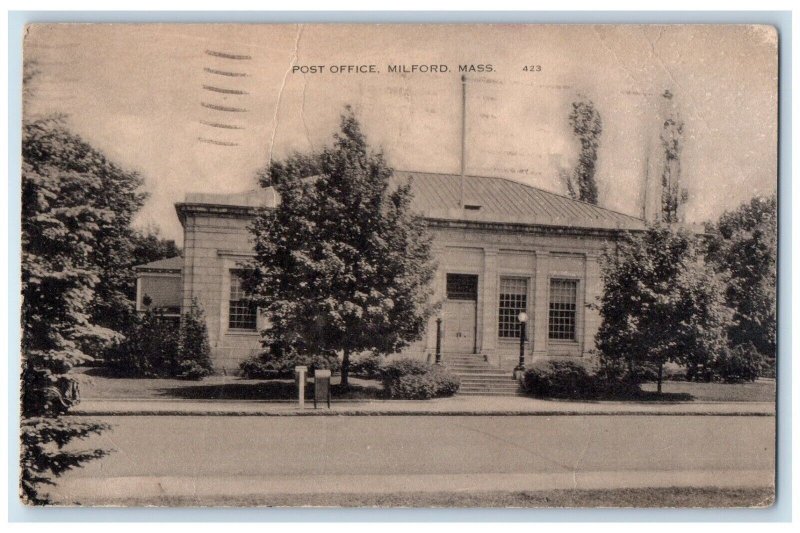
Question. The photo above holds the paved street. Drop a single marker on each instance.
(187, 455)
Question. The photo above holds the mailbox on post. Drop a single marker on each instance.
(300, 381)
(322, 387)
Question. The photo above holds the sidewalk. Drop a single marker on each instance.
(456, 406)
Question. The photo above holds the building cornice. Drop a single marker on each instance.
(226, 211)
(171, 271)
(518, 227)
(231, 211)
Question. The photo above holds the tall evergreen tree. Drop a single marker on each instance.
(587, 126)
(66, 215)
(342, 264)
(49, 144)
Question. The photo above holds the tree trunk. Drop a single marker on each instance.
(660, 375)
(346, 369)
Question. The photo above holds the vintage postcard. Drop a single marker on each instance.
(399, 265)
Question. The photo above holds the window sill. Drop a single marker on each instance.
(562, 342)
(242, 332)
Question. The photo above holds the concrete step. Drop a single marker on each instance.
(492, 391)
(471, 386)
(497, 375)
(474, 385)
(478, 377)
(485, 368)
(489, 369)
(489, 385)
(474, 375)
(508, 392)
(471, 365)
(484, 377)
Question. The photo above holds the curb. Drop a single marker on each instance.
(323, 412)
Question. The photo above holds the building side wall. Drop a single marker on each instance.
(163, 289)
(214, 246)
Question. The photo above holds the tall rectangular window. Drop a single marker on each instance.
(563, 309)
(513, 301)
(241, 312)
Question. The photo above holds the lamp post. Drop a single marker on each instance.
(439, 340)
(523, 318)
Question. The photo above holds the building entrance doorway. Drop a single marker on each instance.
(461, 313)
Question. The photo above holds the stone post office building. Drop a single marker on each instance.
(502, 247)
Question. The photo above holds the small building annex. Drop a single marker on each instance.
(505, 248)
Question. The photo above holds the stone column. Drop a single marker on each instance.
(439, 282)
(490, 302)
(540, 304)
(594, 288)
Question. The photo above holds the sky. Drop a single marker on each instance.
(148, 97)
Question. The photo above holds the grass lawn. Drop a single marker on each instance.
(616, 498)
(95, 384)
(763, 390)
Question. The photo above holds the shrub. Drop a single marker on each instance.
(412, 379)
(643, 372)
(447, 383)
(263, 366)
(737, 365)
(256, 368)
(193, 345)
(149, 349)
(367, 366)
(413, 387)
(155, 346)
(394, 370)
(701, 373)
(612, 368)
(561, 379)
(192, 370)
(768, 368)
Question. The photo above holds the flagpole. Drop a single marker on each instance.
(463, 138)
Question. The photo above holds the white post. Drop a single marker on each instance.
(300, 378)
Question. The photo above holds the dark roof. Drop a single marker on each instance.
(507, 201)
(172, 264)
(494, 200)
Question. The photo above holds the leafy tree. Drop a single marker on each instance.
(672, 195)
(50, 144)
(149, 246)
(660, 303)
(743, 247)
(66, 216)
(342, 265)
(588, 126)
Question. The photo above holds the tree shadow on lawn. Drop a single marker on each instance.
(652, 396)
(101, 372)
(269, 390)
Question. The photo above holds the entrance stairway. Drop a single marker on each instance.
(478, 377)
